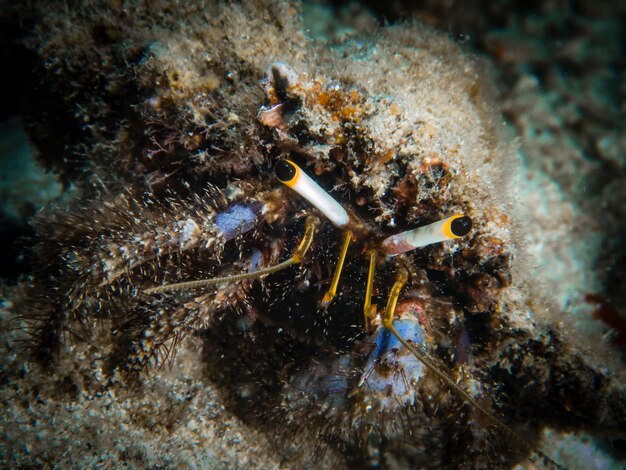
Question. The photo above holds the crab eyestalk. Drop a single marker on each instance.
(451, 228)
(292, 176)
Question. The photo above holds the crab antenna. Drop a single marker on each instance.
(453, 227)
(430, 364)
(312, 223)
(292, 176)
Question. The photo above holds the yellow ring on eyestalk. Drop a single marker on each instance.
(450, 228)
(456, 226)
(287, 172)
(292, 176)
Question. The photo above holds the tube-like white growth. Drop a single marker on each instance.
(453, 227)
(292, 175)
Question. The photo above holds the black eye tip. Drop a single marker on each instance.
(461, 226)
(284, 170)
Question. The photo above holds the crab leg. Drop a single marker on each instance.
(369, 310)
(298, 255)
(401, 279)
(332, 291)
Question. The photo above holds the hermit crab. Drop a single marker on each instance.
(373, 383)
(338, 234)
(382, 373)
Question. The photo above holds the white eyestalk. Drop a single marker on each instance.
(453, 227)
(292, 175)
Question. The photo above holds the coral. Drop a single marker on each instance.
(173, 116)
